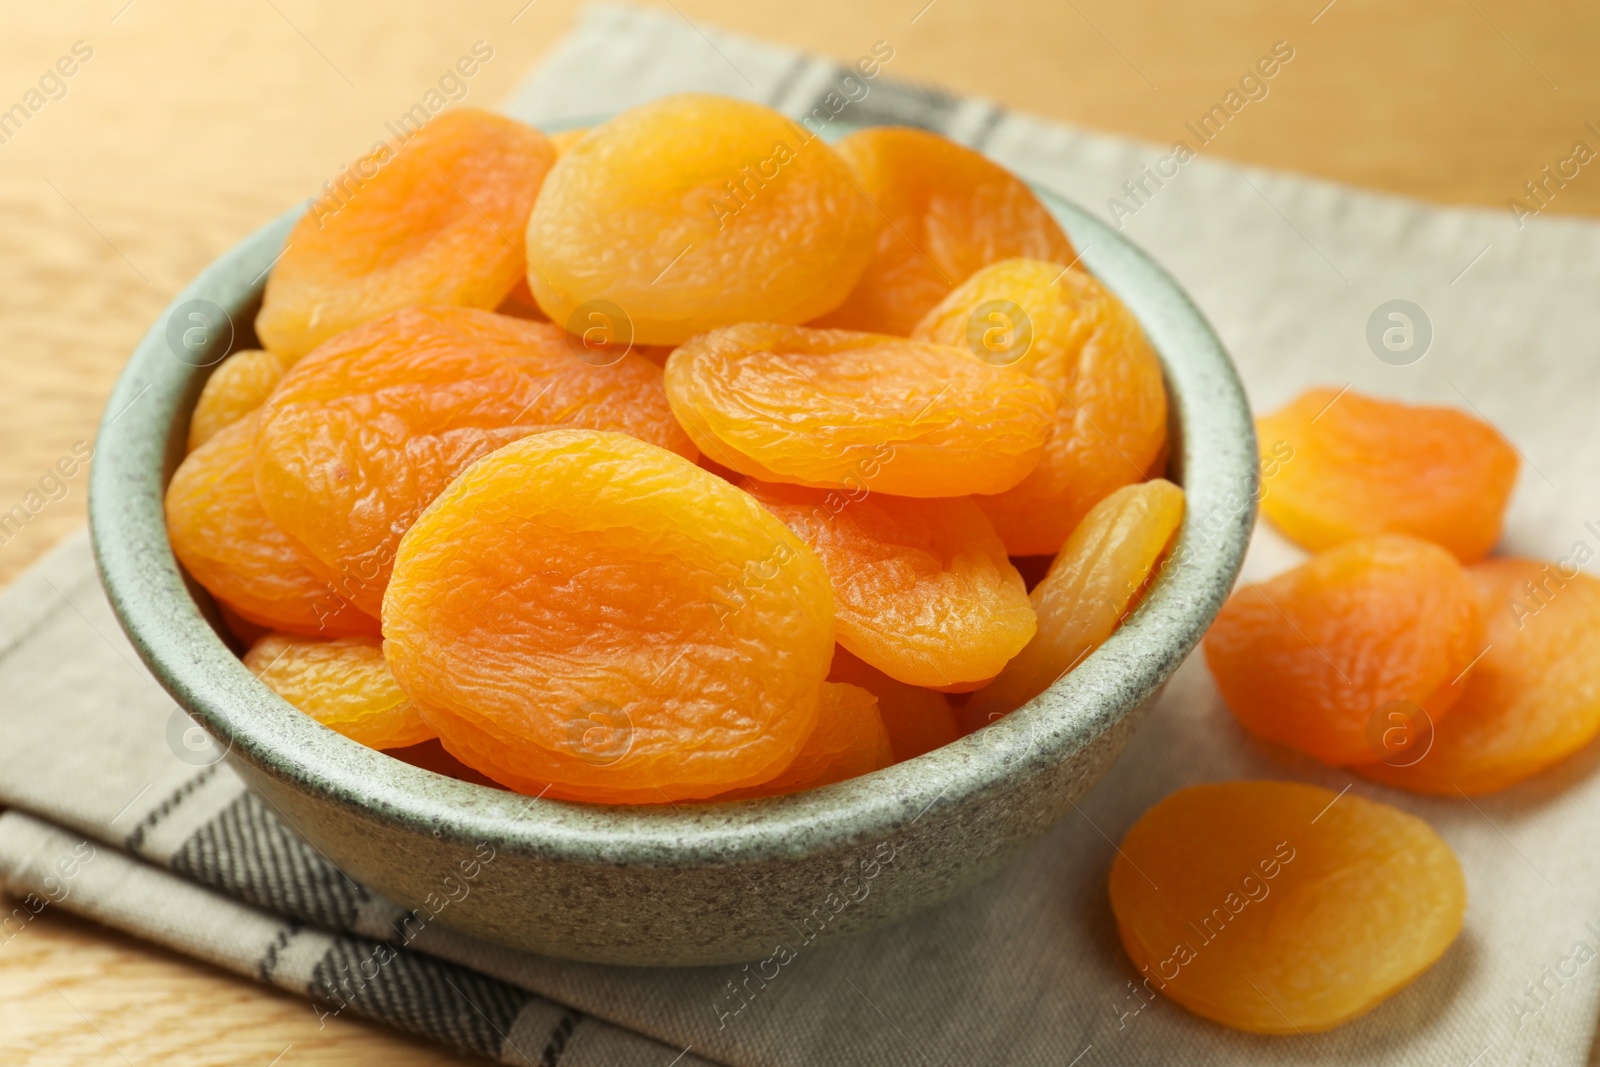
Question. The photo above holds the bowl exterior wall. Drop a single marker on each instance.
(736, 911)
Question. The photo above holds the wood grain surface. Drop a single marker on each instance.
(192, 123)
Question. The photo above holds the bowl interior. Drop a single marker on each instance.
(168, 618)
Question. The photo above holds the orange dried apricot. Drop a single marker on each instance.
(1362, 466)
(831, 407)
(1377, 626)
(562, 140)
(1072, 334)
(237, 387)
(1532, 700)
(440, 220)
(226, 542)
(918, 720)
(1087, 592)
(922, 589)
(697, 211)
(1282, 908)
(947, 211)
(361, 435)
(849, 740)
(556, 613)
(344, 684)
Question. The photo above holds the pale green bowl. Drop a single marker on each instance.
(702, 884)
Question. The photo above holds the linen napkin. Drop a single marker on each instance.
(122, 812)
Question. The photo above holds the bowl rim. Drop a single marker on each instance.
(140, 442)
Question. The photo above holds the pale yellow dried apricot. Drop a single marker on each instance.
(562, 140)
(1282, 908)
(237, 387)
(865, 411)
(697, 211)
(589, 615)
(344, 684)
(1087, 592)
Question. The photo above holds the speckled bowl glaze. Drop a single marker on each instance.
(685, 884)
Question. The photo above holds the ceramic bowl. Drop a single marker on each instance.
(666, 885)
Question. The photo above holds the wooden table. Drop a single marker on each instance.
(192, 123)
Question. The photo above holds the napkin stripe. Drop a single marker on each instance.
(247, 852)
(421, 994)
(136, 837)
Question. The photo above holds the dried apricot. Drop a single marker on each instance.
(237, 387)
(1072, 334)
(562, 140)
(918, 720)
(830, 408)
(560, 615)
(440, 220)
(1312, 658)
(922, 589)
(1281, 908)
(1533, 698)
(947, 211)
(1087, 592)
(1362, 466)
(361, 435)
(225, 541)
(695, 211)
(849, 740)
(344, 684)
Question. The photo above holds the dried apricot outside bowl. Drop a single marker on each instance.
(665, 884)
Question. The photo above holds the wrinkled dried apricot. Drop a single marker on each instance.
(1070, 333)
(830, 408)
(1086, 593)
(948, 211)
(922, 589)
(344, 684)
(697, 211)
(1532, 700)
(1362, 466)
(1281, 908)
(225, 541)
(1378, 626)
(585, 612)
(918, 720)
(440, 220)
(237, 387)
(361, 435)
(849, 740)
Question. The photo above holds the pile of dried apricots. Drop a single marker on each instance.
(681, 458)
(1398, 651)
